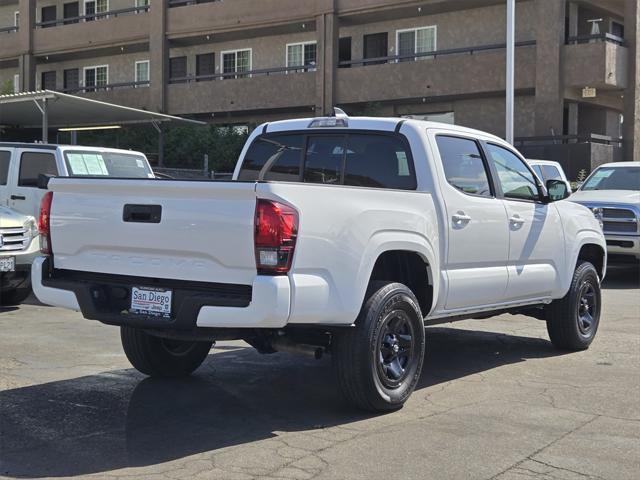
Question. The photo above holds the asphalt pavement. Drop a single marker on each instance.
(495, 401)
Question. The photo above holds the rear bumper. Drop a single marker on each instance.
(623, 246)
(106, 298)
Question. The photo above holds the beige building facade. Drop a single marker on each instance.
(244, 61)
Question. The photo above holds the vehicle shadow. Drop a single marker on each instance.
(622, 277)
(7, 309)
(99, 423)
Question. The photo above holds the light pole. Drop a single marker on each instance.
(510, 84)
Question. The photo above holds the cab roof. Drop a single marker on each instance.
(385, 124)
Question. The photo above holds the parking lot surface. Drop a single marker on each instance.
(495, 401)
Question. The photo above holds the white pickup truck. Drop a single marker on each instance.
(339, 235)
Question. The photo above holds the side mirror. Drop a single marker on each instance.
(558, 190)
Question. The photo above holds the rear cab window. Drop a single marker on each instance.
(374, 160)
(81, 163)
(32, 165)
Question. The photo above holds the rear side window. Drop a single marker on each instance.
(5, 158)
(356, 159)
(463, 165)
(33, 164)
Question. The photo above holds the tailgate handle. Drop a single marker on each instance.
(142, 213)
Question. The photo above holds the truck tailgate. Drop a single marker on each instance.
(204, 232)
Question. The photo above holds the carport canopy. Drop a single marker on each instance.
(50, 109)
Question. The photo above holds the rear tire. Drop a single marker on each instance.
(378, 362)
(572, 321)
(160, 357)
(14, 297)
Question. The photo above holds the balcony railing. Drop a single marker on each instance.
(183, 3)
(601, 37)
(432, 54)
(107, 87)
(10, 29)
(246, 74)
(568, 139)
(93, 16)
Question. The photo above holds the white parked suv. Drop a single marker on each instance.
(339, 235)
(612, 191)
(22, 163)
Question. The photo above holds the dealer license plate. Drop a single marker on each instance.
(151, 301)
(7, 264)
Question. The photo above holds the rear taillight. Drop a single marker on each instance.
(44, 223)
(276, 229)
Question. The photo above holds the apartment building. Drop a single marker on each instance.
(246, 61)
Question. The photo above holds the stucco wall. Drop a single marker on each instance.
(6, 15)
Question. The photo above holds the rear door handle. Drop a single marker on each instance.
(516, 220)
(18, 197)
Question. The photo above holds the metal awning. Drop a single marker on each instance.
(49, 109)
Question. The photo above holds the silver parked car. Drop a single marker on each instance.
(19, 245)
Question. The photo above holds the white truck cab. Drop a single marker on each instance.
(22, 163)
(338, 235)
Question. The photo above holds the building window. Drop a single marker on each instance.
(177, 69)
(16, 83)
(302, 55)
(142, 3)
(96, 77)
(48, 80)
(416, 41)
(48, 16)
(205, 66)
(142, 73)
(344, 52)
(375, 46)
(71, 80)
(236, 61)
(94, 7)
(70, 12)
(16, 19)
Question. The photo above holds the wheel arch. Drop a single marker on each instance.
(409, 259)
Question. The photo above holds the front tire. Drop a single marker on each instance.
(572, 321)
(161, 357)
(378, 362)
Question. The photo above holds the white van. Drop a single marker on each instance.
(22, 163)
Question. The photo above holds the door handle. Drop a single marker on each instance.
(18, 197)
(516, 220)
(460, 218)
